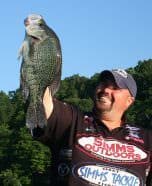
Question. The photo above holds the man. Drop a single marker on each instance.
(98, 148)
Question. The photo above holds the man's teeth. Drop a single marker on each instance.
(104, 99)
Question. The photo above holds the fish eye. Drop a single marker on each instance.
(40, 23)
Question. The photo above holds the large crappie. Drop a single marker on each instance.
(40, 68)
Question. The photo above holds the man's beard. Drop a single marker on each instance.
(103, 102)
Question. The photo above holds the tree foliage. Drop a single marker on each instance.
(20, 156)
(143, 105)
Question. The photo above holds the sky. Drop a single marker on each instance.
(95, 34)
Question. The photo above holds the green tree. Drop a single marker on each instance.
(21, 157)
(5, 134)
(142, 109)
(6, 109)
(9, 178)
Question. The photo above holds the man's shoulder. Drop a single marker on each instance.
(136, 126)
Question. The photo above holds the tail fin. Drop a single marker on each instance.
(35, 116)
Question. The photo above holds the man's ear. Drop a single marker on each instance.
(130, 100)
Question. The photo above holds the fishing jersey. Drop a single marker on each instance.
(85, 152)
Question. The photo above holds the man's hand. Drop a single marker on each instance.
(48, 103)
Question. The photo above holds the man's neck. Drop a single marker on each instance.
(111, 120)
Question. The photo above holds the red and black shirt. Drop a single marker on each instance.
(121, 157)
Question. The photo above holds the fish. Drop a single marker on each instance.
(40, 68)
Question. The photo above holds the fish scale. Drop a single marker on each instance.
(41, 68)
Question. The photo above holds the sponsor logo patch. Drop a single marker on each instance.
(63, 169)
(97, 174)
(111, 150)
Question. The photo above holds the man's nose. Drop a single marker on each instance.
(108, 91)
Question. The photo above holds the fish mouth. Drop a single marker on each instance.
(34, 38)
(27, 23)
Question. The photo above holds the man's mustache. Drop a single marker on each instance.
(99, 96)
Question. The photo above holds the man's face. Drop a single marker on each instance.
(109, 97)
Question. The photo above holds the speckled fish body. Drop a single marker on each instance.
(41, 68)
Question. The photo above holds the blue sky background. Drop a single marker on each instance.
(94, 34)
